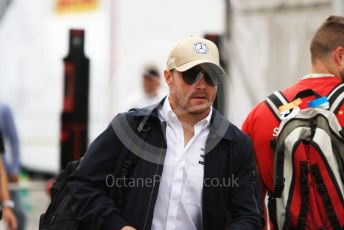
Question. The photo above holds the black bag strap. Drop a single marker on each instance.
(129, 161)
(272, 211)
(306, 93)
(287, 225)
(278, 172)
(315, 171)
(60, 182)
(274, 101)
(336, 98)
(142, 130)
(301, 221)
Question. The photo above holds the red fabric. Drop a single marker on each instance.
(315, 158)
(317, 217)
(296, 200)
(261, 124)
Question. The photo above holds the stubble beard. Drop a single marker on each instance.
(186, 107)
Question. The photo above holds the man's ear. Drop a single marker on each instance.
(168, 77)
(339, 56)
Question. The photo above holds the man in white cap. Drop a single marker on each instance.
(175, 165)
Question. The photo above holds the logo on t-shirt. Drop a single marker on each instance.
(275, 132)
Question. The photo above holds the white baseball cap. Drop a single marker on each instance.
(194, 51)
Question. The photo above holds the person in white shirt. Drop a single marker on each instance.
(149, 94)
(180, 164)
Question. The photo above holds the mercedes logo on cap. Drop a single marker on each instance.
(200, 48)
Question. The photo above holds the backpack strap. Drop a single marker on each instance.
(274, 101)
(272, 211)
(278, 172)
(319, 181)
(304, 206)
(130, 160)
(302, 218)
(336, 98)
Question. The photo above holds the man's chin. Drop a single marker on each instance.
(199, 109)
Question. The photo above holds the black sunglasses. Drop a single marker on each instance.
(192, 76)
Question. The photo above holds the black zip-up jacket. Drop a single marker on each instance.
(229, 156)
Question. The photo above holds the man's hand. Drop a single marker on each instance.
(9, 218)
(128, 228)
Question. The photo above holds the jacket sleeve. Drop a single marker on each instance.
(245, 204)
(90, 187)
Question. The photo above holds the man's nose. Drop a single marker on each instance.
(200, 83)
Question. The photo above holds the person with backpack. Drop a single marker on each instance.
(298, 140)
(178, 164)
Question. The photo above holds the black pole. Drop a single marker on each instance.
(74, 118)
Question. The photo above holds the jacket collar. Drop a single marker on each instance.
(151, 110)
(220, 127)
